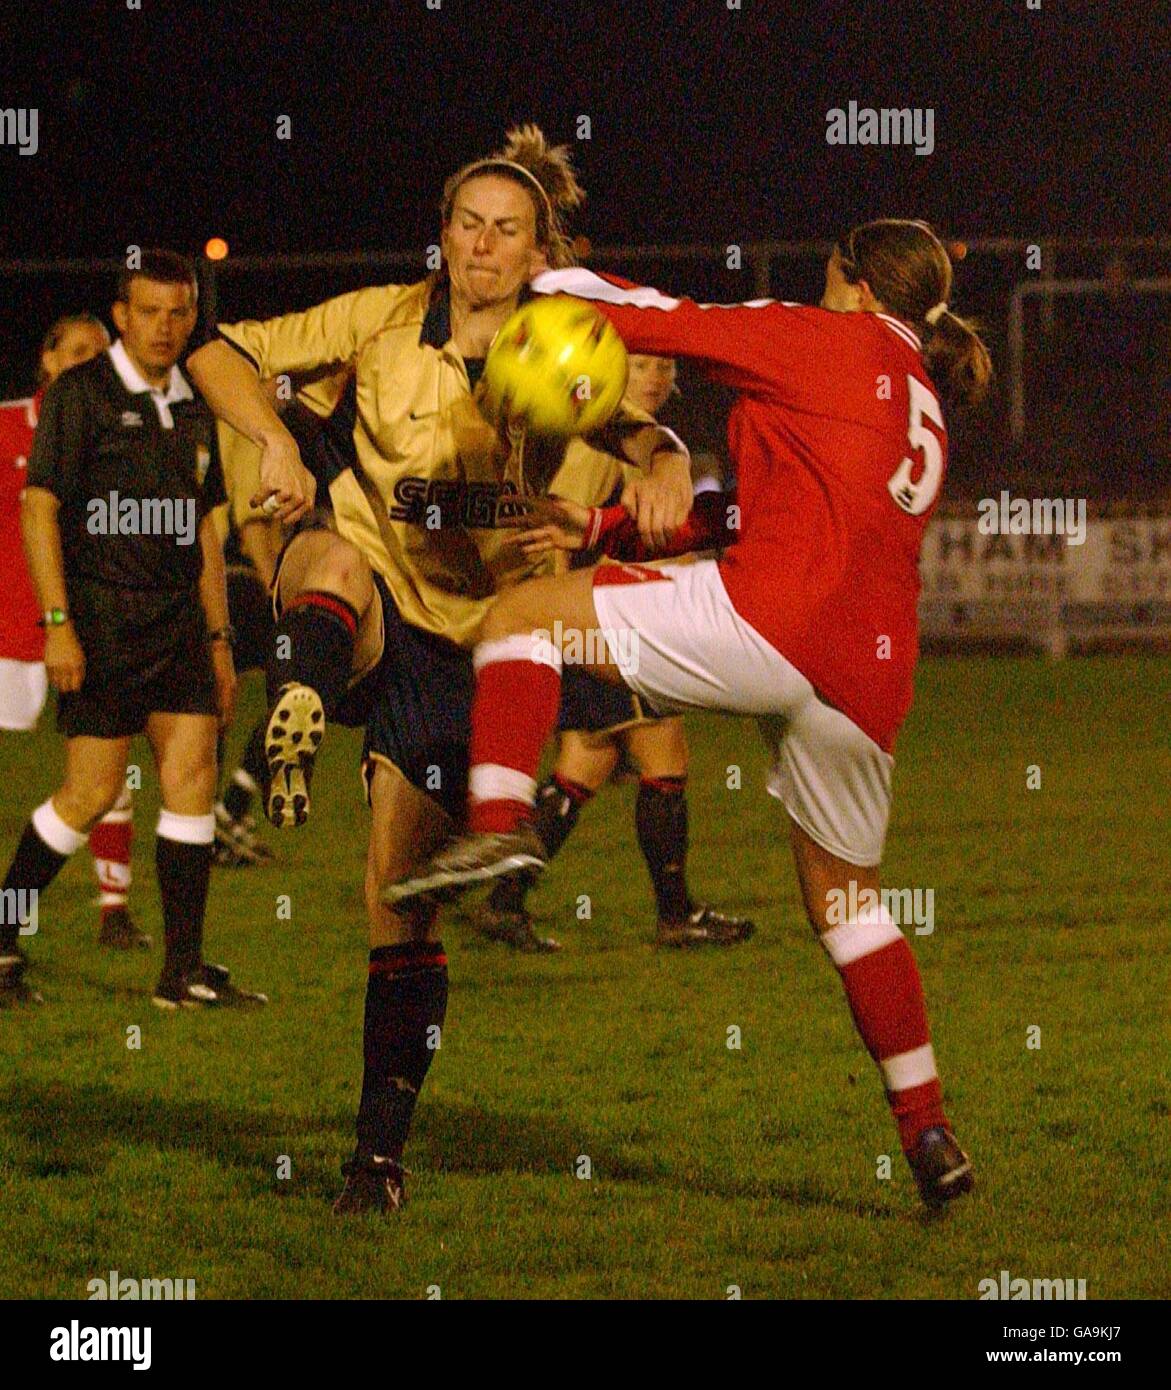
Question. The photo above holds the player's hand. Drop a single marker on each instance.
(287, 488)
(64, 659)
(224, 669)
(660, 501)
(550, 523)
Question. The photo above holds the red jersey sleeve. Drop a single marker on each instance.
(712, 524)
(756, 346)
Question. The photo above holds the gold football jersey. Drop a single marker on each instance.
(433, 479)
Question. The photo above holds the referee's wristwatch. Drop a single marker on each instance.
(53, 617)
(227, 634)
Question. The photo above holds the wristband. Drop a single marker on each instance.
(53, 617)
(227, 634)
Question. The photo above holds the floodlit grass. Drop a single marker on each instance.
(710, 1166)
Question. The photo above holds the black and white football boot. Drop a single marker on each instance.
(942, 1170)
(372, 1184)
(514, 927)
(704, 926)
(206, 987)
(237, 845)
(469, 860)
(15, 990)
(292, 737)
(120, 932)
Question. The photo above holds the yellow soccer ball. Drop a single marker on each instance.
(557, 367)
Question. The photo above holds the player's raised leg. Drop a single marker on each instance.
(95, 773)
(329, 620)
(406, 993)
(184, 746)
(885, 994)
(583, 765)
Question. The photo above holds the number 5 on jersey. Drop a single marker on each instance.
(914, 496)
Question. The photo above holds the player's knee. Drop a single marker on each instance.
(507, 616)
(82, 802)
(340, 568)
(188, 782)
(387, 927)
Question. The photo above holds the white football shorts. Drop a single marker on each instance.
(681, 645)
(23, 688)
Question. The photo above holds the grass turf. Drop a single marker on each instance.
(710, 1166)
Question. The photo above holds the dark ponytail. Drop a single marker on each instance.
(957, 360)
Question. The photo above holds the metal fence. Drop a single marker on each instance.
(1081, 342)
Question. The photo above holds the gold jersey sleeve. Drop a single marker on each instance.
(593, 466)
(329, 334)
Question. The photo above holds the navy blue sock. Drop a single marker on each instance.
(313, 645)
(660, 818)
(406, 1003)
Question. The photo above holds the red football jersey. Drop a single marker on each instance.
(20, 637)
(840, 451)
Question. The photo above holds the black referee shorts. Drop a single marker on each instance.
(151, 656)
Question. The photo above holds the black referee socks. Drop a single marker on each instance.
(313, 645)
(406, 1003)
(44, 847)
(183, 864)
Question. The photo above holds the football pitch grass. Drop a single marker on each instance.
(710, 1166)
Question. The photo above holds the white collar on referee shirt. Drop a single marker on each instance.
(136, 383)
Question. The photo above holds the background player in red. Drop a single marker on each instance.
(809, 619)
(603, 728)
(72, 340)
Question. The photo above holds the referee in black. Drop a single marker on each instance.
(130, 578)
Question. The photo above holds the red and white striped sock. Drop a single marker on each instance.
(109, 843)
(885, 996)
(518, 691)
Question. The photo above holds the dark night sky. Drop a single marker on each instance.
(707, 124)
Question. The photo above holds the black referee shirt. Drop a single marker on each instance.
(132, 490)
(135, 472)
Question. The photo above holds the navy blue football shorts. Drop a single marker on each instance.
(416, 705)
(593, 706)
